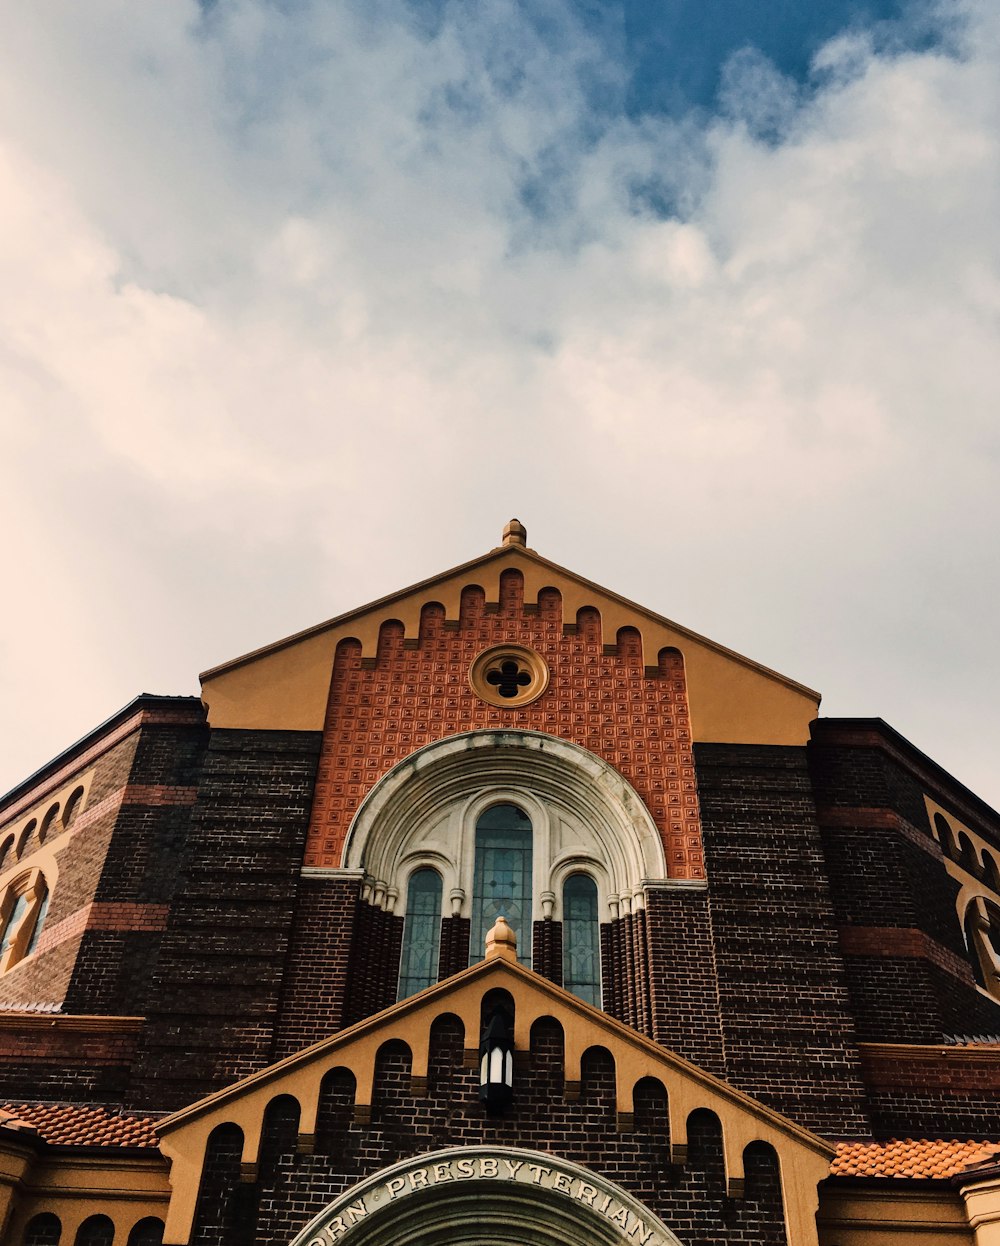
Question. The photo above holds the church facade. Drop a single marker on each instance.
(499, 909)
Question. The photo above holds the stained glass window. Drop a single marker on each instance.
(421, 933)
(502, 882)
(581, 939)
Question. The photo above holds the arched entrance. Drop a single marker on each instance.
(468, 1196)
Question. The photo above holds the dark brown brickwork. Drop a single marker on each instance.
(292, 1187)
(625, 971)
(46, 977)
(314, 998)
(547, 951)
(45, 1059)
(910, 982)
(454, 945)
(373, 973)
(934, 1090)
(788, 1033)
(128, 915)
(683, 986)
(600, 696)
(217, 983)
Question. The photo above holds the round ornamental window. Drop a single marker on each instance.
(509, 676)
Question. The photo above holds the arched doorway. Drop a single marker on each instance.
(468, 1196)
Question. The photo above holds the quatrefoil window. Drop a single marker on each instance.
(508, 678)
(509, 675)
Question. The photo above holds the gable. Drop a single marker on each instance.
(286, 686)
(804, 1159)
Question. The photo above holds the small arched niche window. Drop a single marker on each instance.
(501, 885)
(418, 967)
(581, 939)
(45, 1229)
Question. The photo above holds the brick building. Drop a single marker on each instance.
(743, 969)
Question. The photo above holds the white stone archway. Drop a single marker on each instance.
(586, 818)
(464, 1196)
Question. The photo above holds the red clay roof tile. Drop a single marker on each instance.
(78, 1125)
(914, 1158)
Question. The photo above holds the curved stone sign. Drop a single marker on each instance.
(463, 1196)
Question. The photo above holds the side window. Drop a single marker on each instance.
(421, 933)
(502, 879)
(581, 939)
(982, 935)
(23, 907)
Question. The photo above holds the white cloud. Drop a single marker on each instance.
(301, 304)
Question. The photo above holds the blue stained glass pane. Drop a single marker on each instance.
(421, 933)
(502, 882)
(581, 939)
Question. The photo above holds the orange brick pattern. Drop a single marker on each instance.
(158, 795)
(974, 1069)
(73, 1125)
(882, 941)
(106, 915)
(416, 691)
(915, 1158)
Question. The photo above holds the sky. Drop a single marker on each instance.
(300, 302)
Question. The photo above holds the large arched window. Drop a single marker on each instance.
(581, 939)
(501, 881)
(505, 819)
(418, 967)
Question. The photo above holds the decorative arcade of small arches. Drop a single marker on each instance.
(377, 1075)
(46, 1229)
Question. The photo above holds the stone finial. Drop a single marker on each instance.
(501, 941)
(515, 533)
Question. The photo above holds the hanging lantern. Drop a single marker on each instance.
(496, 1061)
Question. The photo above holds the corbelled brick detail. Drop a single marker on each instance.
(600, 696)
(890, 941)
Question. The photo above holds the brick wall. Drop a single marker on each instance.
(601, 696)
(291, 1188)
(683, 986)
(139, 875)
(46, 976)
(43, 1059)
(788, 1033)
(933, 1090)
(314, 995)
(909, 974)
(216, 987)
